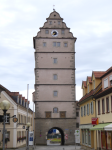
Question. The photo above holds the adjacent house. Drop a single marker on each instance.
(103, 101)
(90, 87)
(16, 132)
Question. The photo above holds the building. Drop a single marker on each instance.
(88, 110)
(103, 102)
(16, 132)
(55, 105)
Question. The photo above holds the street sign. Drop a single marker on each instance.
(66, 136)
(15, 120)
(77, 136)
(31, 138)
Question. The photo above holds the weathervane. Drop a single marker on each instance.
(53, 7)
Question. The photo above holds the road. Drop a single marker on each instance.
(48, 143)
(69, 147)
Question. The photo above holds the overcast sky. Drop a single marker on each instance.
(20, 20)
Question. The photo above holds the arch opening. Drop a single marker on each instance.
(55, 136)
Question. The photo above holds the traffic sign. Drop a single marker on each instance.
(66, 136)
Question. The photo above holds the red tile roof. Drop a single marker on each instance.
(106, 72)
(98, 74)
(92, 92)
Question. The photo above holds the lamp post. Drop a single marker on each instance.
(4, 105)
(28, 125)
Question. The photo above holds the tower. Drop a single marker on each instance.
(55, 105)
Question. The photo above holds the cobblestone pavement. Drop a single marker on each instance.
(69, 147)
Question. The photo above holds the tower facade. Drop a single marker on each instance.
(55, 105)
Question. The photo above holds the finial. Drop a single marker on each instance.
(53, 7)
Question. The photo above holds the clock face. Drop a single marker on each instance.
(54, 33)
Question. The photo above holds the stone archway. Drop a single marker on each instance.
(62, 134)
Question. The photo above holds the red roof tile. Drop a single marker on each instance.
(106, 72)
(98, 74)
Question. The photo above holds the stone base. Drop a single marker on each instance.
(66, 126)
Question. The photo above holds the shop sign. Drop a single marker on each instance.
(94, 121)
(15, 120)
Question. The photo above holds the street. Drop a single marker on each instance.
(69, 147)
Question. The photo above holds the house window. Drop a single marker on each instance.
(46, 31)
(44, 44)
(77, 114)
(87, 109)
(59, 22)
(23, 102)
(62, 114)
(55, 93)
(93, 84)
(111, 103)
(55, 110)
(65, 45)
(50, 22)
(55, 77)
(106, 83)
(88, 88)
(103, 107)
(84, 110)
(19, 100)
(81, 111)
(110, 80)
(91, 108)
(89, 137)
(99, 107)
(55, 60)
(77, 125)
(62, 31)
(48, 114)
(7, 119)
(107, 102)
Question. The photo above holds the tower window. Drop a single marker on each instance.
(55, 77)
(65, 45)
(59, 22)
(58, 44)
(62, 31)
(44, 44)
(54, 44)
(55, 110)
(55, 60)
(50, 22)
(54, 15)
(55, 93)
(47, 31)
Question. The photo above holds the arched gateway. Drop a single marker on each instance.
(62, 134)
(54, 95)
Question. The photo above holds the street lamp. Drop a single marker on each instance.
(28, 125)
(4, 105)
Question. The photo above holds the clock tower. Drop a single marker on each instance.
(55, 104)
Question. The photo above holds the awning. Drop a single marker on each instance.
(108, 127)
(100, 126)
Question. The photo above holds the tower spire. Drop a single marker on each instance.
(53, 7)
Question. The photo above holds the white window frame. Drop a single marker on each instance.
(105, 83)
(7, 119)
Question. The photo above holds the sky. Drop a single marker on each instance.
(89, 20)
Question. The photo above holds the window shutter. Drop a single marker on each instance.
(90, 108)
(105, 83)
